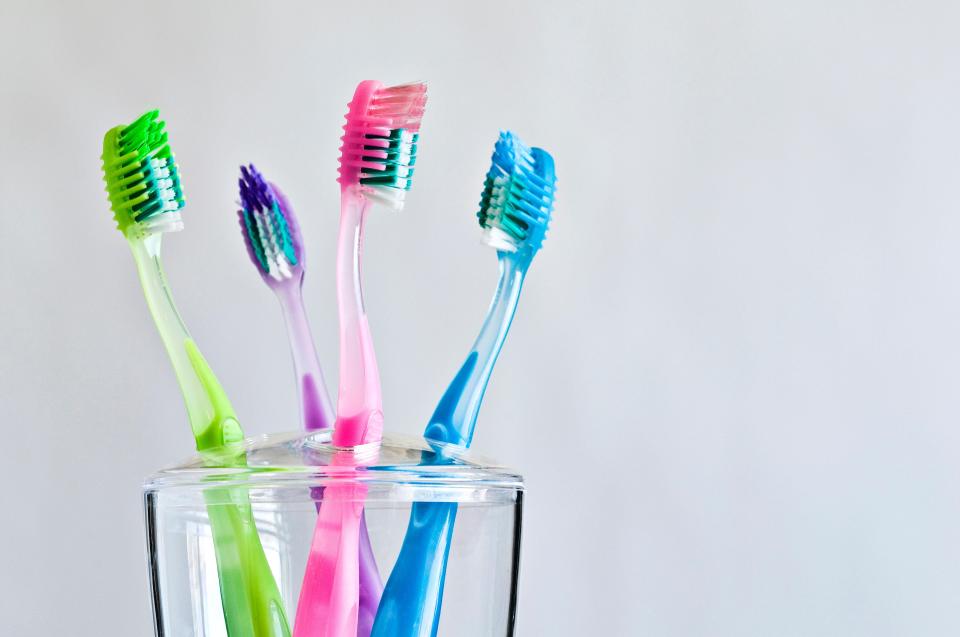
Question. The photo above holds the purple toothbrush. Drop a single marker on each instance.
(275, 245)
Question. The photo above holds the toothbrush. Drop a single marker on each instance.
(275, 245)
(376, 165)
(515, 208)
(143, 184)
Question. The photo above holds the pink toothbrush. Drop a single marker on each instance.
(376, 165)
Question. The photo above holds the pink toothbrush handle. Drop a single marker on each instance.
(330, 595)
(329, 599)
(359, 403)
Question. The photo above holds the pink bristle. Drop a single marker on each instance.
(373, 113)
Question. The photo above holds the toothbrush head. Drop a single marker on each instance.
(380, 140)
(517, 198)
(270, 229)
(143, 181)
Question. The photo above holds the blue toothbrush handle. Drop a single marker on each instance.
(410, 606)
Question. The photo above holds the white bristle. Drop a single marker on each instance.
(493, 235)
(279, 268)
(167, 193)
(499, 240)
(167, 222)
(393, 198)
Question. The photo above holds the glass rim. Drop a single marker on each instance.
(297, 459)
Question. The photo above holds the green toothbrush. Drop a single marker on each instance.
(143, 184)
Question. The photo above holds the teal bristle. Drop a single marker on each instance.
(401, 155)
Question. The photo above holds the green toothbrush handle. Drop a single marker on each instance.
(223, 428)
(252, 605)
(144, 187)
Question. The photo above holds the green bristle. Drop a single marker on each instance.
(142, 178)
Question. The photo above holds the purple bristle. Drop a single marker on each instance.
(254, 192)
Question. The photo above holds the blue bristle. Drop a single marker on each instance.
(518, 195)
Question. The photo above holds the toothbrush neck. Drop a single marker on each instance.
(455, 417)
(359, 404)
(146, 254)
(316, 411)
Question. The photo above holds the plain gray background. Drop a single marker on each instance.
(732, 381)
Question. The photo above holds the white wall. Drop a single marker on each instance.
(732, 381)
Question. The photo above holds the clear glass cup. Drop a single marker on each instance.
(281, 477)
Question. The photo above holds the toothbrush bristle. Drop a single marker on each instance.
(269, 227)
(143, 181)
(518, 195)
(380, 140)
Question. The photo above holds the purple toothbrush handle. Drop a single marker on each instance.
(315, 401)
(371, 586)
(316, 414)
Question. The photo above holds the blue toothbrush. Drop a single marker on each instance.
(515, 208)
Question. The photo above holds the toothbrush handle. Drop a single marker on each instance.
(317, 413)
(455, 417)
(371, 586)
(359, 403)
(410, 606)
(316, 410)
(412, 597)
(173, 333)
(329, 598)
(252, 605)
